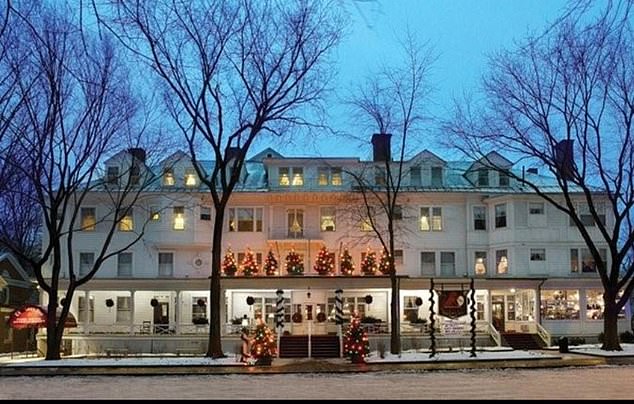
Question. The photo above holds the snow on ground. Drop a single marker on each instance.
(230, 360)
(423, 356)
(595, 349)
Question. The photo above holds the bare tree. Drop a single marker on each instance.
(564, 101)
(232, 72)
(75, 111)
(393, 102)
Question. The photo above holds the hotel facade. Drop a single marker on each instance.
(457, 221)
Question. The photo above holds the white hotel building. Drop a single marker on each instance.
(533, 274)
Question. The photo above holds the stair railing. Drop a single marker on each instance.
(495, 334)
(543, 334)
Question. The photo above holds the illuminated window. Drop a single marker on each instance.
(168, 177)
(501, 261)
(480, 263)
(86, 309)
(398, 257)
(595, 304)
(179, 218)
(560, 304)
(245, 219)
(127, 221)
(322, 176)
(284, 176)
(298, 177)
(190, 178)
(327, 219)
(124, 312)
(329, 176)
(88, 219)
(335, 176)
(366, 225)
(433, 222)
(155, 214)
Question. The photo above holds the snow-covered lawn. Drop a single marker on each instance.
(230, 360)
(595, 349)
(490, 354)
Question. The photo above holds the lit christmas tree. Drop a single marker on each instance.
(229, 265)
(263, 348)
(270, 264)
(294, 264)
(249, 265)
(355, 341)
(325, 262)
(368, 265)
(346, 265)
(384, 263)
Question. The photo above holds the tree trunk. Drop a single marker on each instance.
(214, 348)
(610, 326)
(395, 325)
(53, 339)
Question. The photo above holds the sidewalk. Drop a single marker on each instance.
(305, 365)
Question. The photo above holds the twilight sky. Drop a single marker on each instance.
(462, 32)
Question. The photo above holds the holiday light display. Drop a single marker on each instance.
(325, 262)
(294, 264)
(264, 347)
(384, 263)
(249, 265)
(355, 342)
(346, 266)
(270, 264)
(229, 265)
(368, 265)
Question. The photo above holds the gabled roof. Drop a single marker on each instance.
(266, 153)
(17, 275)
(492, 159)
(425, 156)
(175, 157)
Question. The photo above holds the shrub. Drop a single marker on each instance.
(236, 320)
(576, 341)
(370, 320)
(200, 320)
(627, 337)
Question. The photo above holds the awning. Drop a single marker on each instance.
(32, 316)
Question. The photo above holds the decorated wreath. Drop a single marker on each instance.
(297, 317)
(321, 317)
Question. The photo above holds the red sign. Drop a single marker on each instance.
(31, 316)
(452, 303)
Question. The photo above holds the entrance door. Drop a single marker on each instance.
(497, 308)
(161, 318)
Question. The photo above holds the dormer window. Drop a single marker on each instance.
(168, 177)
(112, 175)
(329, 176)
(135, 174)
(284, 176)
(483, 177)
(298, 177)
(504, 178)
(436, 176)
(414, 176)
(190, 178)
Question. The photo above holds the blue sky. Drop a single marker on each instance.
(462, 33)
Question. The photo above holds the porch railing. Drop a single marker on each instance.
(543, 334)
(495, 334)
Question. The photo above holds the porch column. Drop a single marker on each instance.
(87, 310)
(223, 310)
(177, 314)
(132, 293)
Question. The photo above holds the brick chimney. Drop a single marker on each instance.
(564, 161)
(381, 147)
(138, 153)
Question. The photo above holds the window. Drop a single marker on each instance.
(168, 177)
(135, 174)
(298, 177)
(595, 305)
(199, 312)
(86, 309)
(500, 216)
(179, 218)
(329, 176)
(166, 263)
(586, 217)
(434, 222)
(327, 219)
(447, 263)
(479, 218)
(205, 213)
(560, 304)
(366, 225)
(295, 224)
(112, 175)
(336, 178)
(350, 305)
(479, 307)
(428, 263)
(124, 264)
(322, 176)
(414, 176)
(380, 177)
(538, 254)
(436, 176)
(501, 262)
(283, 173)
(88, 219)
(536, 208)
(155, 214)
(588, 265)
(86, 261)
(127, 221)
(503, 177)
(245, 219)
(397, 212)
(483, 177)
(480, 263)
(124, 311)
(190, 177)
(398, 257)
(410, 310)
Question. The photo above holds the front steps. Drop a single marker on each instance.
(522, 341)
(296, 346)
